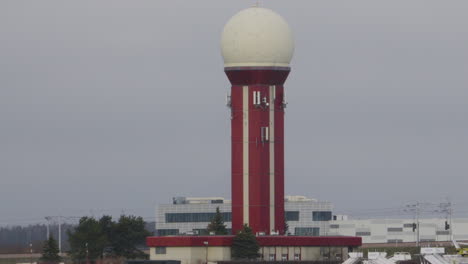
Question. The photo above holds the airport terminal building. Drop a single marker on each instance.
(402, 230)
(309, 217)
(190, 216)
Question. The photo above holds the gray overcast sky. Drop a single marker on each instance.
(116, 106)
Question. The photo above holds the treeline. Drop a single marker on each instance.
(17, 239)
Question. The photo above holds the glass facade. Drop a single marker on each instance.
(363, 233)
(291, 215)
(194, 217)
(322, 216)
(307, 231)
(167, 232)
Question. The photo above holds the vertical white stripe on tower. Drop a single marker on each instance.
(272, 156)
(245, 158)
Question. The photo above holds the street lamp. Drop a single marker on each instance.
(206, 251)
(31, 252)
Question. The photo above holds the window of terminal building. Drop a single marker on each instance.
(201, 231)
(284, 257)
(272, 257)
(428, 240)
(365, 233)
(335, 226)
(167, 232)
(410, 225)
(442, 232)
(307, 231)
(395, 229)
(297, 256)
(160, 250)
(195, 217)
(395, 241)
(292, 215)
(322, 216)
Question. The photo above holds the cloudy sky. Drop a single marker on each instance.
(116, 106)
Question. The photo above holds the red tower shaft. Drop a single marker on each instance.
(257, 105)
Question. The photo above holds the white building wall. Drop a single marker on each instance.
(300, 204)
(399, 230)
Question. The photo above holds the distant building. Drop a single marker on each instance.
(307, 217)
(304, 216)
(401, 230)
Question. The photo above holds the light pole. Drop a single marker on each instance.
(87, 253)
(31, 252)
(206, 251)
(48, 227)
(60, 234)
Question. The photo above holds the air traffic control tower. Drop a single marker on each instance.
(257, 46)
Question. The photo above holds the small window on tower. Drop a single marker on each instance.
(265, 134)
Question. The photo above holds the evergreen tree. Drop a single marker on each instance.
(129, 235)
(88, 240)
(92, 239)
(217, 224)
(50, 251)
(245, 245)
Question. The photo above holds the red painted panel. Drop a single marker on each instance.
(279, 161)
(252, 75)
(237, 157)
(199, 241)
(258, 79)
(258, 163)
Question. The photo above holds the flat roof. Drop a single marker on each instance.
(200, 241)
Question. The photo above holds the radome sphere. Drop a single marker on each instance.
(257, 37)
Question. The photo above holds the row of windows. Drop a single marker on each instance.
(395, 241)
(322, 216)
(194, 217)
(174, 232)
(167, 232)
(307, 231)
(298, 231)
(316, 216)
(227, 217)
(291, 215)
(442, 232)
(363, 233)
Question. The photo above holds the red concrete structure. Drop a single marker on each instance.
(257, 128)
(263, 241)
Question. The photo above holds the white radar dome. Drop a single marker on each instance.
(257, 37)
